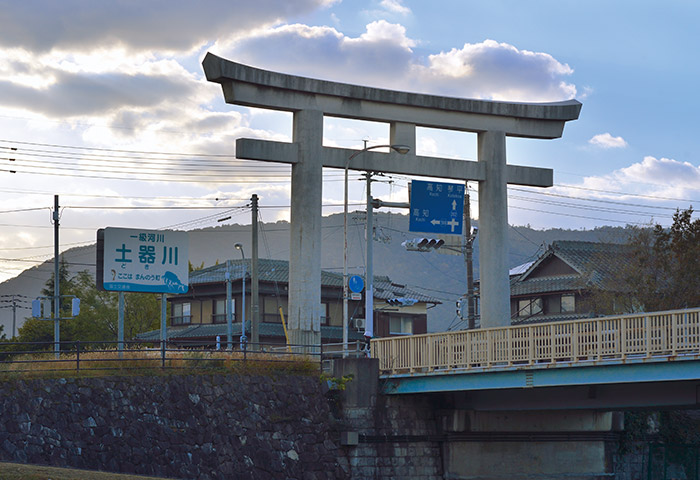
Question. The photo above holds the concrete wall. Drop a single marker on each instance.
(427, 436)
(392, 436)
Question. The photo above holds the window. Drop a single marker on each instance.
(400, 325)
(325, 318)
(529, 306)
(219, 315)
(181, 314)
(568, 303)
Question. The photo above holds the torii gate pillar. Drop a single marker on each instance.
(493, 233)
(310, 100)
(305, 230)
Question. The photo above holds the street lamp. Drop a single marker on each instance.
(402, 149)
(244, 339)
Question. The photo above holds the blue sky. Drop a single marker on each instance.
(106, 105)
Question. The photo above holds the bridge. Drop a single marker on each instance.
(598, 363)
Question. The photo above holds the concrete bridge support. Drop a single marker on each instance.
(428, 436)
(529, 445)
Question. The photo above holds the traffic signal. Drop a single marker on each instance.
(401, 301)
(423, 244)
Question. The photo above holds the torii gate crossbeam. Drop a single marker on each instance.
(310, 100)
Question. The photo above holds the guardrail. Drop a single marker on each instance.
(16, 357)
(614, 338)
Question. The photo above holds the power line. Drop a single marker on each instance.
(141, 152)
(596, 200)
(45, 246)
(170, 207)
(627, 194)
(19, 210)
(578, 216)
(121, 197)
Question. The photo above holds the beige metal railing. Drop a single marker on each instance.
(642, 335)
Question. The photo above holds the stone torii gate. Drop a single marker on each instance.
(310, 99)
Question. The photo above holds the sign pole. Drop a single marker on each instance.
(163, 321)
(120, 326)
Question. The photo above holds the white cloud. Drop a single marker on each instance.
(378, 57)
(498, 71)
(395, 6)
(605, 140)
(383, 56)
(657, 177)
(80, 25)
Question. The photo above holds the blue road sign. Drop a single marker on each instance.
(356, 284)
(436, 207)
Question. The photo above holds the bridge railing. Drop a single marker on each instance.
(615, 338)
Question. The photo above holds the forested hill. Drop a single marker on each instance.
(441, 275)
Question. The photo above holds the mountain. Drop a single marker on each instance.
(439, 275)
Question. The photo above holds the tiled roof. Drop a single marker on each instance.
(268, 271)
(555, 317)
(598, 260)
(209, 330)
(547, 285)
(278, 271)
(594, 263)
(384, 289)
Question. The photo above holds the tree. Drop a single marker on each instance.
(99, 311)
(665, 272)
(656, 269)
(98, 318)
(64, 283)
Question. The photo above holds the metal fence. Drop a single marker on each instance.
(77, 356)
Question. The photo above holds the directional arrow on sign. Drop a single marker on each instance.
(451, 223)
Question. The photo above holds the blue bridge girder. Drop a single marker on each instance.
(671, 382)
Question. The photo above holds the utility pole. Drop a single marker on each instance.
(468, 259)
(56, 283)
(254, 301)
(14, 316)
(369, 284)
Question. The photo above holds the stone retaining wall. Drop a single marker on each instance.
(200, 427)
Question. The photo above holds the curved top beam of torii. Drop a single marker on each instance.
(311, 99)
(244, 85)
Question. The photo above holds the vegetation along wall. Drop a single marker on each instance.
(189, 426)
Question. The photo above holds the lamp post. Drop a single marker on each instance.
(229, 314)
(402, 149)
(244, 339)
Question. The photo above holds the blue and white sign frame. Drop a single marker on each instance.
(138, 260)
(436, 207)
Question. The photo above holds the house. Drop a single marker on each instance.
(199, 316)
(560, 284)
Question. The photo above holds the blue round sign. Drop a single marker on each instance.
(356, 284)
